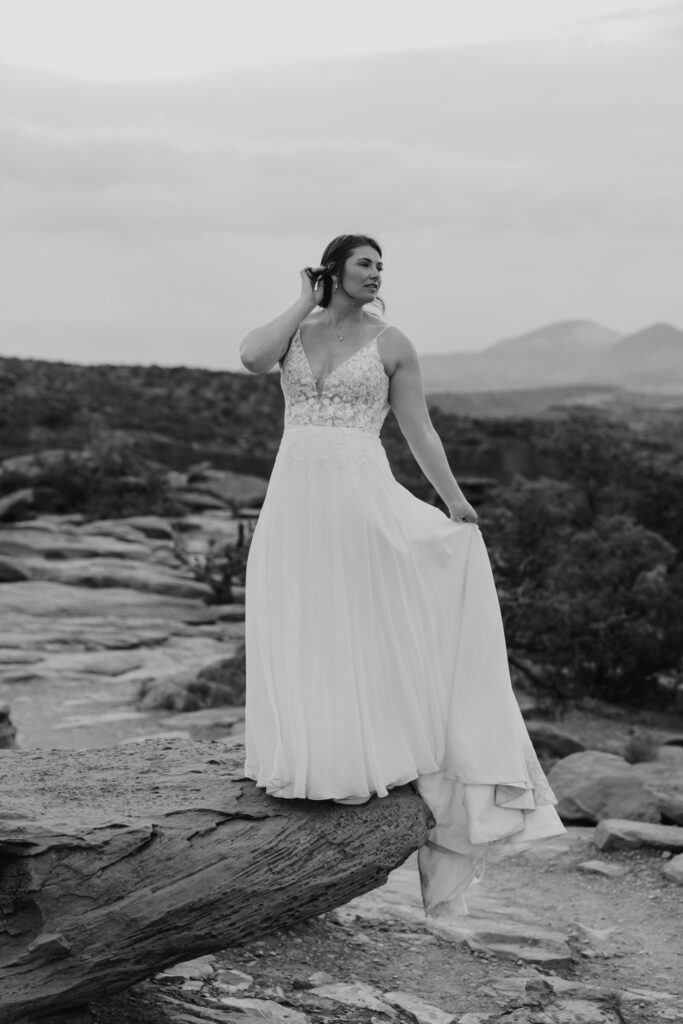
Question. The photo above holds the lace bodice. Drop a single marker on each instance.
(355, 393)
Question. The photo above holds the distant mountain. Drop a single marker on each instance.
(564, 354)
(649, 359)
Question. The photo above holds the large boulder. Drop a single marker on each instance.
(591, 785)
(665, 779)
(118, 863)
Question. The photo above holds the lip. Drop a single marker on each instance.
(371, 285)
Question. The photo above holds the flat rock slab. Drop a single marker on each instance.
(603, 867)
(365, 997)
(620, 834)
(490, 926)
(47, 599)
(19, 541)
(107, 572)
(422, 1012)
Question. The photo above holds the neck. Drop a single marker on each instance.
(343, 310)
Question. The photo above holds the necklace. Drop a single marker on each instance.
(339, 335)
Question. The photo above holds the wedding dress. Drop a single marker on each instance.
(375, 650)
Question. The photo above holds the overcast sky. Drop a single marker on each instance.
(167, 167)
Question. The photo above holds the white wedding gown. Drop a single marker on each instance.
(374, 641)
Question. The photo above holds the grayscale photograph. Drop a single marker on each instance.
(341, 512)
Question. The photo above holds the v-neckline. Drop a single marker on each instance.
(321, 391)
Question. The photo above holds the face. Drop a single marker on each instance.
(362, 277)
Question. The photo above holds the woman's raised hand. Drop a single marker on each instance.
(312, 285)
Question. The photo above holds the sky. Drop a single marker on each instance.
(168, 166)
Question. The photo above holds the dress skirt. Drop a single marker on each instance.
(376, 656)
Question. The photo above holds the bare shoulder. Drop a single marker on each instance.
(311, 320)
(397, 350)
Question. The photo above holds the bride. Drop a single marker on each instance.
(374, 641)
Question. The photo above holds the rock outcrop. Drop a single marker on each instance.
(592, 785)
(118, 863)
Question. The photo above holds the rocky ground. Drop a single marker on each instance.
(108, 637)
(106, 633)
(548, 942)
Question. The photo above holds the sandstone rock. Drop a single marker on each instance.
(19, 541)
(551, 741)
(200, 967)
(268, 1011)
(421, 1012)
(107, 572)
(673, 869)
(59, 599)
(671, 753)
(506, 937)
(619, 834)
(592, 785)
(510, 931)
(17, 657)
(120, 529)
(592, 941)
(231, 488)
(106, 663)
(665, 779)
(366, 997)
(220, 717)
(320, 978)
(232, 981)
(199, 500)
(151, 526)
(603, 867)
(115, 867)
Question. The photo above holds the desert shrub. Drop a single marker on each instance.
(640, 746)
(589, 607)
(223, 567)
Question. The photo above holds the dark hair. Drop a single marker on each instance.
(334, 259)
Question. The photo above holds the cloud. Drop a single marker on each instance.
(549, 177)
(193, 182)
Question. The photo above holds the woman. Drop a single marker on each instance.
(375, 647)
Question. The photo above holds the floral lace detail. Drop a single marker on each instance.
(359, 455)
(355, 394)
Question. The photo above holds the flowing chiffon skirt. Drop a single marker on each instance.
(376, 656)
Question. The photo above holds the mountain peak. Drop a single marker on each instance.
(560, 334)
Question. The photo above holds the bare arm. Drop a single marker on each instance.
(406, 394)
(265, 345)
